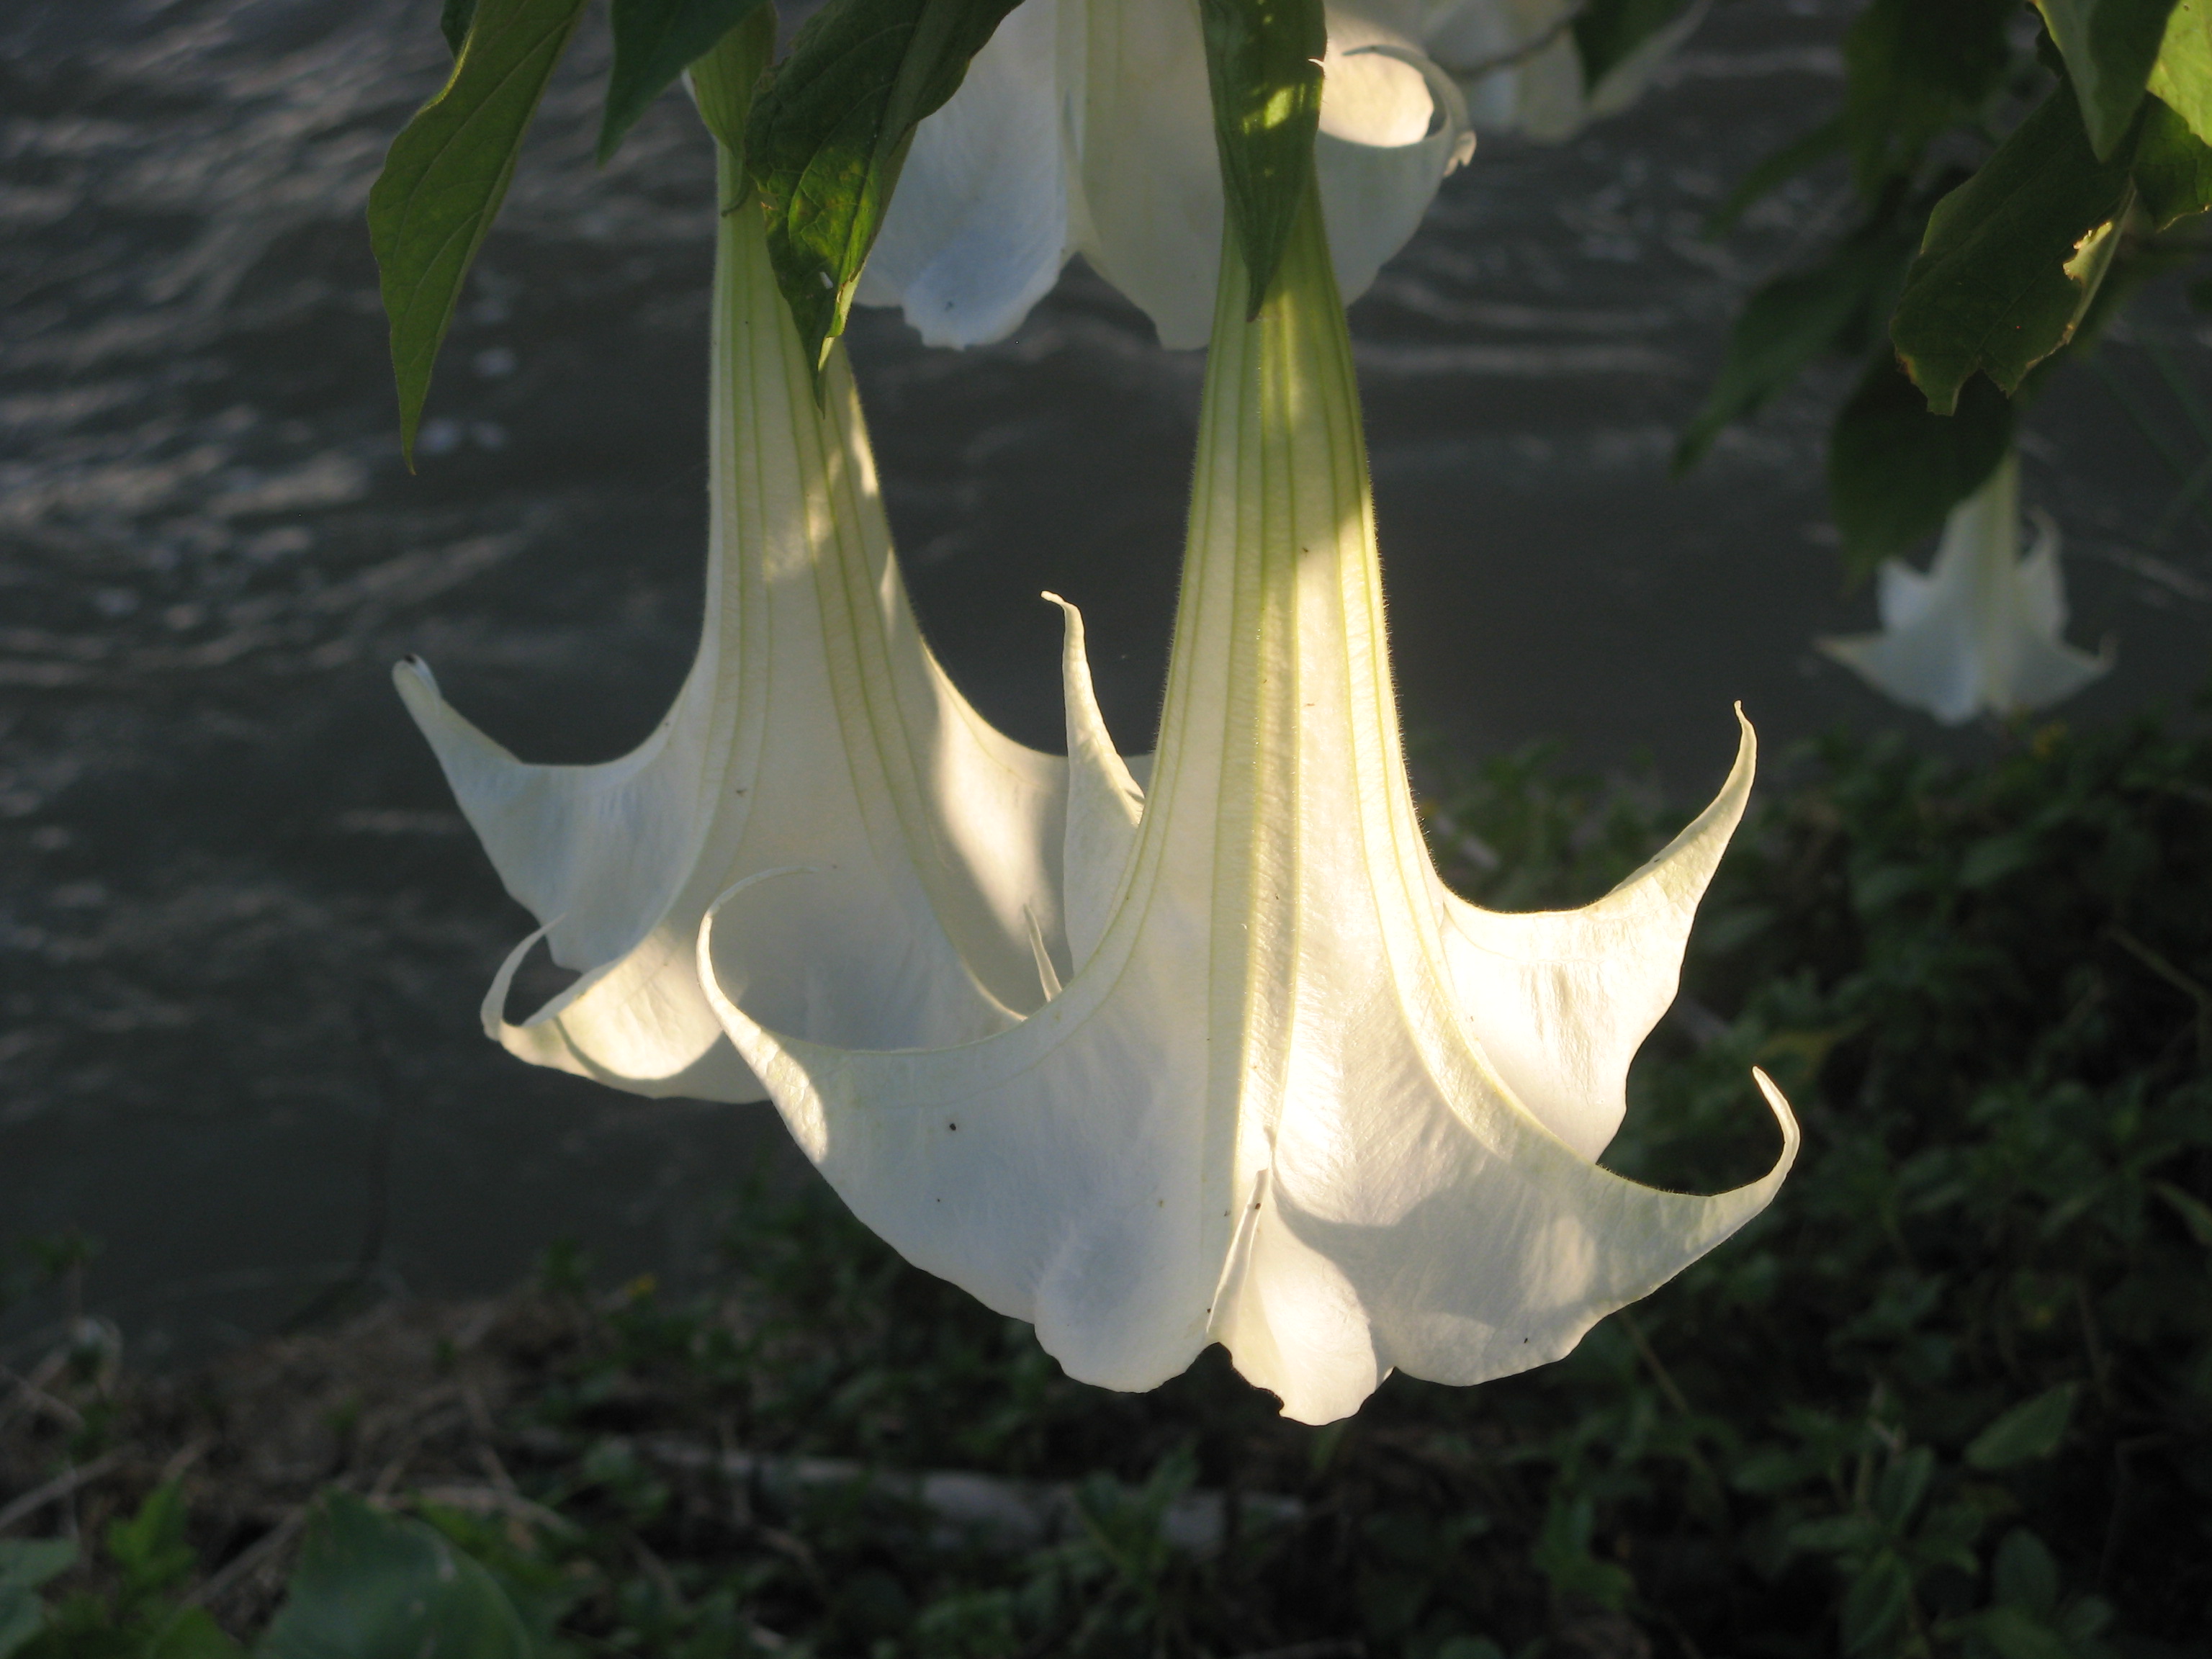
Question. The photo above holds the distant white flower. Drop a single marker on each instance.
(1517, 64)
(1087, 126)
(814, 733)
(1983, 629)
(1295, 1096)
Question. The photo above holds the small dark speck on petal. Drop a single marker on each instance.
(951, 1126)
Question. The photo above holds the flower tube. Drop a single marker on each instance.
(1294, 1097)
(815, 736)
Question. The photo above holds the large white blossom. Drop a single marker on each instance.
(1086, 126)
(1518, 66)
(814, 730)
(1984, 629)
(1293, 1097)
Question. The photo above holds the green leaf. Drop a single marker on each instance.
(1897, 1496)
(1262, 62)
(2023, 1575)
(2183, 74)
(1913, 70)
(150, 1549)
(190, 1633)
(828, 136)
(2172, 166)
(1794, 319)
(1999, 283)
(1561, 1552)
(654, 41)
(447, 172)
(1895, 470)
(2015, 1634)
(1608, 31)
(375, 1586)
(1875, 1606)
(2028, 1431)
(453, 20)
(2109, 47)
(2195, 1213)
(25, 1565)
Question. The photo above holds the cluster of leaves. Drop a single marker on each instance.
(2014, 184)
(823, 134)
(1951, 1396)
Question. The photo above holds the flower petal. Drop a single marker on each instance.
(1105, 803)
(1561, 1001)
(977, 230)
(815, 732)
(1256, 1112)
(1145, 161)
(1393, 124)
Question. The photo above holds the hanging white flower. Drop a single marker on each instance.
(1984, 629)
(1087, 126)
(1294, 1096)
(816, 730)
(1518, 65)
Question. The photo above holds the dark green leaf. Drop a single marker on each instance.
(1262, 60)
(1608, 31)
(1903, 1485)
(1562, 1554)
(2172, 167)
(2023, 1575)
(190, 1633)
(654, 41)
(1875, 1606)
(453, 20)
(446, 174)
(150, 1549)
(828, 136)
(375, 1586)
(1794, 319)
(1895, 470)
(1806, 151)
(2015, 1634)
(2195, 1213)
(1992, 289)
(2183, 74)
(2028, 1431)
(1913, 70)
(25, 1565)
(2109, 47)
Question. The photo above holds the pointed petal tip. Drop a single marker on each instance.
(493, 1012)
(1792, 1137)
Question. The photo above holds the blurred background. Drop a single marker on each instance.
(243, 933)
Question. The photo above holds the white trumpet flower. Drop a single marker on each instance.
(815, 731)
(1295, 1096)
(1983, 629)
(1087, 126)
(1517, 64)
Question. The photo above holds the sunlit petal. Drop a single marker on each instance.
(1264, 1110)
(815, 735)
